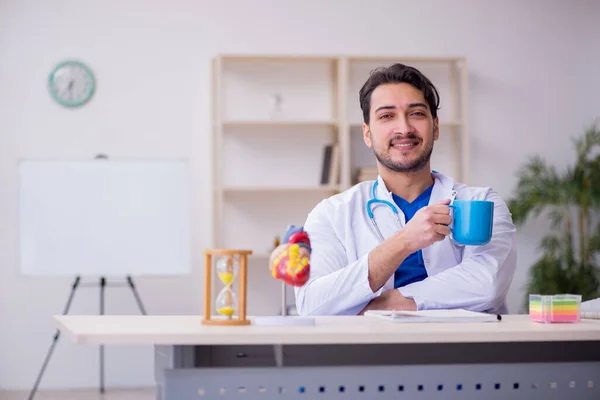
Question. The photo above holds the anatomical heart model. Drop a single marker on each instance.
(290, 261)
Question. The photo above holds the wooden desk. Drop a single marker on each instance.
(358, 358)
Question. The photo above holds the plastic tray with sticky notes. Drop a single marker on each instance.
(560, 308)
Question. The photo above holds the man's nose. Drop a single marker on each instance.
(403, 126)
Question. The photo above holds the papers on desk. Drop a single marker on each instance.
(590, 314)
(452, 316)
(590, 309)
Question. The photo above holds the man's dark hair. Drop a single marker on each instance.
(398, 73)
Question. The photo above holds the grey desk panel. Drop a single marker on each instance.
(557, 381)
(434, 371)
(169, 357)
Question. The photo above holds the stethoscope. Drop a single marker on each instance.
(376, 201)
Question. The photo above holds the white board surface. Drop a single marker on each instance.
(104, 218)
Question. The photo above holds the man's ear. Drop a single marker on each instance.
(367, 135)
(436, 129)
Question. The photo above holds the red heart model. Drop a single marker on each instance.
(292, 265)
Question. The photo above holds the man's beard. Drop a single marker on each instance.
(410, 166)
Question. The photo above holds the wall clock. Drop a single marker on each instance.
(71, 83)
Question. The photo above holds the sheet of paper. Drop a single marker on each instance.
(455, 315)
(590, 309)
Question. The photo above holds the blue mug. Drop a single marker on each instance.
(472, 222)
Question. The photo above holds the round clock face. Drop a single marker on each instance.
(71, 83)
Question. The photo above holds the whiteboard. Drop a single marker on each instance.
(104, 218)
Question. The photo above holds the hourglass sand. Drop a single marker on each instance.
(231, 266)
(227, 270)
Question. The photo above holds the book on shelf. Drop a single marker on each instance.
(366, 174)
(330, 172)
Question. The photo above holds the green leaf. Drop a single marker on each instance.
(538, 187)
(551, 245)
(594, 241)
(557, 217)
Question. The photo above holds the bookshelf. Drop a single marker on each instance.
(272, 118)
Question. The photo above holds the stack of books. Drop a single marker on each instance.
(330, 172)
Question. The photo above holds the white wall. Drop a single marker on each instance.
(533, 85)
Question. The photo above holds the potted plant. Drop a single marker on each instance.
(571, 200)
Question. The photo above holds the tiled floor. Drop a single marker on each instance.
(92, 394)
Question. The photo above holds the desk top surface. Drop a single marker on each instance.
(175, 329)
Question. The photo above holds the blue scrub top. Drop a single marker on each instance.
(413, 267)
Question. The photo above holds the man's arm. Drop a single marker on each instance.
(390, 299)
(338, 287)
(335, 286)
(480, 282)
(429, 225)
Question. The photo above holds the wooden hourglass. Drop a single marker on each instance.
(231, 267)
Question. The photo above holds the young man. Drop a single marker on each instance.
(408, 262)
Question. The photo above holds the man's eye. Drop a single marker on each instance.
(419, 113)
(384, 116)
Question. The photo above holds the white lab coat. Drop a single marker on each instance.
(475, 278)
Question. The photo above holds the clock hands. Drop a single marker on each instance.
(70, 88)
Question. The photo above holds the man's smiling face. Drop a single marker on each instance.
(401, 130)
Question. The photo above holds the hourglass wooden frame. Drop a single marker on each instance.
(242, 279)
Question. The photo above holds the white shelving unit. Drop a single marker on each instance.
(272, 118)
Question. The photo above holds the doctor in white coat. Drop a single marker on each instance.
(412, 264)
